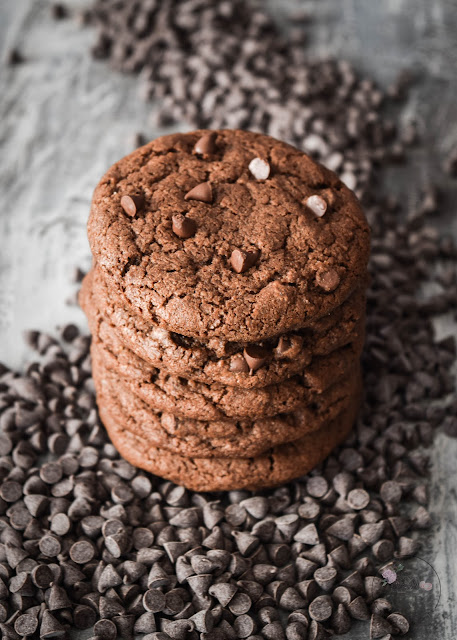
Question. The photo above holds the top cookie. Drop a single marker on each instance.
(227, 234)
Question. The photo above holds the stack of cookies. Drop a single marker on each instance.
(226, 304)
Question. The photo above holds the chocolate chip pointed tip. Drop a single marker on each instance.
(202, 192)
(206, 145)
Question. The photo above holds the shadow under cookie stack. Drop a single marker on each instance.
(227, 305)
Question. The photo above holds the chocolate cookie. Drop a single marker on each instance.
(201, 401)
(278, 465)
(218, 438)
(223, 363)
(241, 242)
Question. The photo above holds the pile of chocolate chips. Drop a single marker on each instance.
(225, 64)
(86, 540)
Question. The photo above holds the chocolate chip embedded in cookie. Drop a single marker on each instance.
(245, 193)
(202, 360)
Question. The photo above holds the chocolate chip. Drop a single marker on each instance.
(105, 629)
(407, 547)
(50, 546)
(182, 226)
(83, 617)
(342, 529)
(289, 346)
(50, 627)
(357, 608)
(321, 608)
(255, 356)
(51, 472)
(327, 280)
(273, 631)
(223, 592)
(399, 623)
(317, 205)
(238, 364)
(325, 577)
(307, 535)
(340, 620)
(240, 603)
(379, 627)
(10, 491)
(202, 192)
(241, 261)
(206, 145)
(358, 499)
(154, 600)
(317, 486)
(82, 552)
(132, 204)
(391, 492)
(259, 168)
(42, 576)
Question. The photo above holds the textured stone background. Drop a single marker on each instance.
(64, 119)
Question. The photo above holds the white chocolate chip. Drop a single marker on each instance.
(259, 168)
(317, 205)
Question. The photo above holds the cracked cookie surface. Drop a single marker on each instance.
(278, 465)
(305, 265)
(209, 362)
(213, 401)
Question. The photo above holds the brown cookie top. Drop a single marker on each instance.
(273, 468)
(217, 361)
(242, 438)
(212, 401)
(244, 241)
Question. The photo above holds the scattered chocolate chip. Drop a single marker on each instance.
(325, 577)
(206, 145)
(154, 600)
(105, 629)
(50, 627)
(358, 609)
(399, 623)
(42, 576)
(82, 552)
(50, 546)
(358, 499)
(182, 226)
(259, 168)
(379, 627)
(202, 192)
(321, 608)
(241, 261)
(10, 491)
(132, 204)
